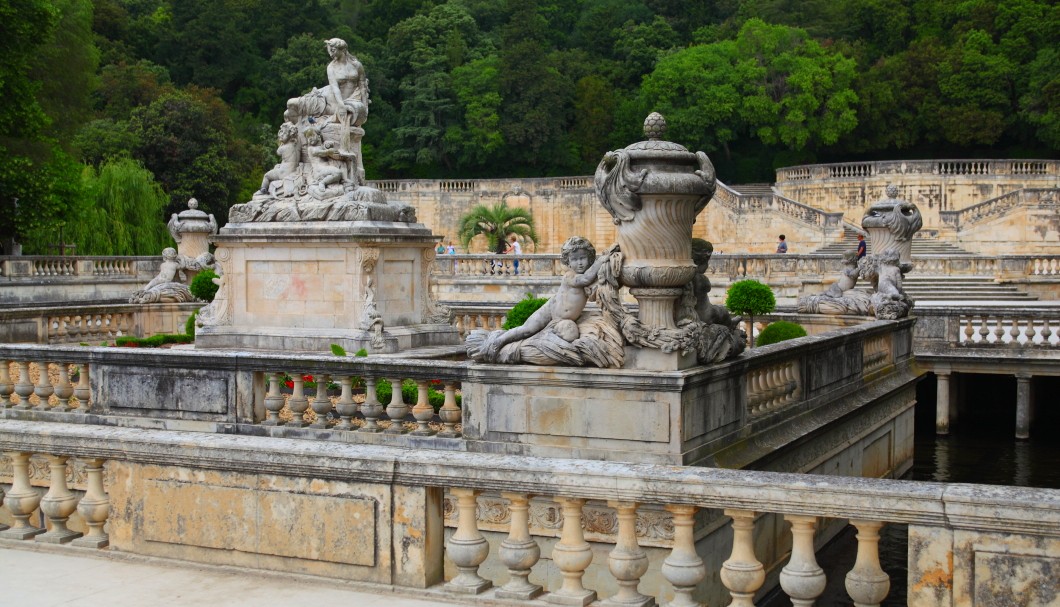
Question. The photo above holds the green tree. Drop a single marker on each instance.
(478, 139)
(750, 297)
(185, 139)
(496, 223)
(120, 212)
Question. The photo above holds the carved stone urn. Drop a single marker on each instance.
(891, 224)
(191, 229)
(653, 190)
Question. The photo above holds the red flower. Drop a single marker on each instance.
(289, 383)
(307, 378)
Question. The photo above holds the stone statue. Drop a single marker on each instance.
(320, 176)
(891, 224)
(170, 284)
(559, 332)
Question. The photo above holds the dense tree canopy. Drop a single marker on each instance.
(194, 90)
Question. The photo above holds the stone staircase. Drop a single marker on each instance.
(753, 189)
(849, 242)
(961, 288)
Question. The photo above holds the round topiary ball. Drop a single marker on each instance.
(202, 286)
(778, 331)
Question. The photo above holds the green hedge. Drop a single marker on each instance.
(522, 311)
(202, 286)
(154, 341)
(778, 331)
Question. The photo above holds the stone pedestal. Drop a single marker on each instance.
(304, 286)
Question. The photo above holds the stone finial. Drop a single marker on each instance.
(655, 126)
(891, 190)
(193, 204)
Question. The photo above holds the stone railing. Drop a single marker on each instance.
(1023, 331)
(92, 322)
(996, 207)
(886, 168)
(34, 267)
(529, 184)
(492, 264)
(746, 203)
(255, 393)
(512, 514)
(469, 317)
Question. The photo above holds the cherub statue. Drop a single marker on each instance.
(289, 156)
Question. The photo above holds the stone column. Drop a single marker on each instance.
(627, 562)
(802, 578)
(58, 504)
(572, 555)
(519, 552)
(683, 568)
(942, 403)
(1023, 405)
(867, 583)
(22, 500)
(742, 573)
(467, 548)
(94, 507)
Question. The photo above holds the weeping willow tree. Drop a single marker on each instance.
(121, 212)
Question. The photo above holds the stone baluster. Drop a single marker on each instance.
(519, 552)
(58, 504)
(7, 387)
(449, 413)
(273, 401)
(63, 390)
(44, 388)
(1014, 331)
(968, 330)
(627, 562)
(297, 403)
(866, 583)
(397, 409)
(345, 406)
(321, 402)
(467, 548)
(423, 411)
(372, 408)
(94, 507)
(23, 387)
(22, 500)
(996, 331)
(1029, 331)
(82, 391)
(60, 326)
(683, 568)
(802, 578)
(982, 332)
(458, 324)
(572, 555)
(742, 573)
(1047, 332)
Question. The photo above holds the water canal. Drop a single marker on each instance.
(981, 448)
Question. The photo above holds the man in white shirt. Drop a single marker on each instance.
(515, 249)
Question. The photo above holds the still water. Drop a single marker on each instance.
(980, 449)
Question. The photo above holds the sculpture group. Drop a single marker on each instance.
(189, 230)
(653, 189)
(320, 176)
(891, 224)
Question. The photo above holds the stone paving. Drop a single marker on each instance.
(70, 577)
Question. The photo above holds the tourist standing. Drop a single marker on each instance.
(862, 249)
(782, 245)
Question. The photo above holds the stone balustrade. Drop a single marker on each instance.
(610, 531)
(466, 318)
(42, 266)
(999, 168)
(92, 323)
(993, 329)
(493, 264)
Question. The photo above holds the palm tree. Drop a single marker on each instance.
(496, 223)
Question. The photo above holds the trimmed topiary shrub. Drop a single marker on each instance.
(750, 297)
(522, 311)
(154, 341)
(779, 331)
(202, 286)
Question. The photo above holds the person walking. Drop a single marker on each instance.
(862, 248)
(782, 245)
(515, 249)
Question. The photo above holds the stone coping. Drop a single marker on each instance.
(957, 506)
